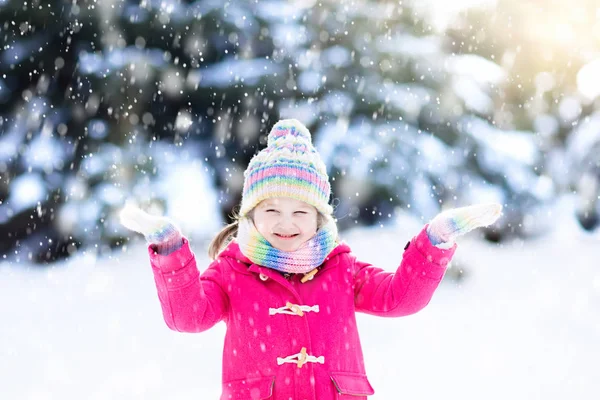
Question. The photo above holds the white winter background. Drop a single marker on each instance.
(523, 323)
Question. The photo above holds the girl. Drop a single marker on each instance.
(283, 283)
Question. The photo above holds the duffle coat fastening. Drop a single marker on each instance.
(288, 340)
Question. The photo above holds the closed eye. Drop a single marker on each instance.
(300, 212)
(271, 210)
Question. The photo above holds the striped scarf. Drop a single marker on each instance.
(307, 257)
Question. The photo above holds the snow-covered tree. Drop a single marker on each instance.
(163, 100)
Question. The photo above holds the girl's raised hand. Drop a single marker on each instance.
(159, 231)
(448, 225)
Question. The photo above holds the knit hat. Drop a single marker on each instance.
(288, 167)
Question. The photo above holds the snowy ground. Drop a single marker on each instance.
(523, 324)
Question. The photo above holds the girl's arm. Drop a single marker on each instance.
(410, 288)
(190, 302)
(426, 256)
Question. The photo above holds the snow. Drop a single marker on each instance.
(44, 153)
(290, 36)
(231, 70)
(522, 324)
(276, 11)
(407, 44)
(192, 202)
(584, 137)
(109, 194)
(329, 137)
(309, 81)
(336, 56)
(569, 109)
(442, 13)
(424, 203)
(26, 191)
(504, 148)
(97, 129)
(546, 124)
(303, 110)
(134, 13)
(588, 82)
(435, 157)
(471, 94)
(90, 63)
(103, 64)
(10, 140)
(482, 71)
(18, 51)
(337, 102)
(410, 98)
(480, 191)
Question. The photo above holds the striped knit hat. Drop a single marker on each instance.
(288, 167)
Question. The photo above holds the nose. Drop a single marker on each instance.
(284, 224)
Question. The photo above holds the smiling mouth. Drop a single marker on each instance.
(281, 236)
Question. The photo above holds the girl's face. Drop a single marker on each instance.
(285, 223)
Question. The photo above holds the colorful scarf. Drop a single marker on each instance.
(307, 257)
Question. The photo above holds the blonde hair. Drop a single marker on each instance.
(222, 239)
(229, 232)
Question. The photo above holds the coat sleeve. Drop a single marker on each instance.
(410, 288)
(190, 302)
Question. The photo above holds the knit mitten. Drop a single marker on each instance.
(448, 225)
(158, 231)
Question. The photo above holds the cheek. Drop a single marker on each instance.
(310, 225)
(263, 225)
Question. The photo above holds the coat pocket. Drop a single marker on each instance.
(249, 389)
(352, 384)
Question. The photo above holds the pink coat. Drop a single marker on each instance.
(273, 321)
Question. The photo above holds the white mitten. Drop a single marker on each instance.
(159, 231)
(448, 225)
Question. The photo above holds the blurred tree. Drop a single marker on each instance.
(403, 116)
(542, 46)
(96, 98)
(43, 104)
(95, 85)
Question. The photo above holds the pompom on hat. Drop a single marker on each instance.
(288, 167)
